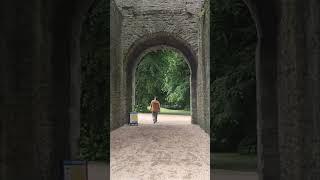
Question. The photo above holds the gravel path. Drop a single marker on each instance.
(173, 149)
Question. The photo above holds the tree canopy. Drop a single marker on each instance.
(232, 73)
(164, 74)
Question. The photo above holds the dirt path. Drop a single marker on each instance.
(165, 119)
(171, 149)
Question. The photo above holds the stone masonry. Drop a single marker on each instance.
(39, 75)
(180, 19)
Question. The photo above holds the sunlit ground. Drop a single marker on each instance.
(171, 149)
(173, 111)
(164, 119)
(227, 166)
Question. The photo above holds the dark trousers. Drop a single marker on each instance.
(155, 116)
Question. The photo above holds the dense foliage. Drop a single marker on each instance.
(95, 83)
(233, 95)
(164, 74)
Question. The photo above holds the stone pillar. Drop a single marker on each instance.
(74, 109)
(116, 68)
(267, 124)
(204, 69)
(194, 96)
(299, 90)
(312, 142)
(19, 48)
(264, 15)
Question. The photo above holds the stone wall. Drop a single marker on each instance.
(116, 68)
(20, 50)
(142, 18)
(265, 15)
(298, 89)
(39, 49)
(38, 44)
(180, 19)
(312, 79)
(203, 92)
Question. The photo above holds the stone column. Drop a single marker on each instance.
(19, 48)
(265, 16)
(313, 51)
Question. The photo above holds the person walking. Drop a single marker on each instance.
(155, 109)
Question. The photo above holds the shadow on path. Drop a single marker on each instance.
(218, 174)
(98, 171)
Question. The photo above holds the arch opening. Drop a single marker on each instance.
(154, 42)
(163, 72)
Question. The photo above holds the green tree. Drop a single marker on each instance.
(149, 80)
(177, 80)
(233, 100)
(164, 74)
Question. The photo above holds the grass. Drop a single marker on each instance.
(233, 161)
(174, 112)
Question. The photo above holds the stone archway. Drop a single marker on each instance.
(137, 29)
(42, 104)
(140, 58)
(264, 15)
(158, 41)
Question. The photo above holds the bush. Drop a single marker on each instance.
(141, 108)
(248, 145)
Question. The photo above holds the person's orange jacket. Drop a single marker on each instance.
(155, 106)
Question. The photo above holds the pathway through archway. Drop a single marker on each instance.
(173, 148)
